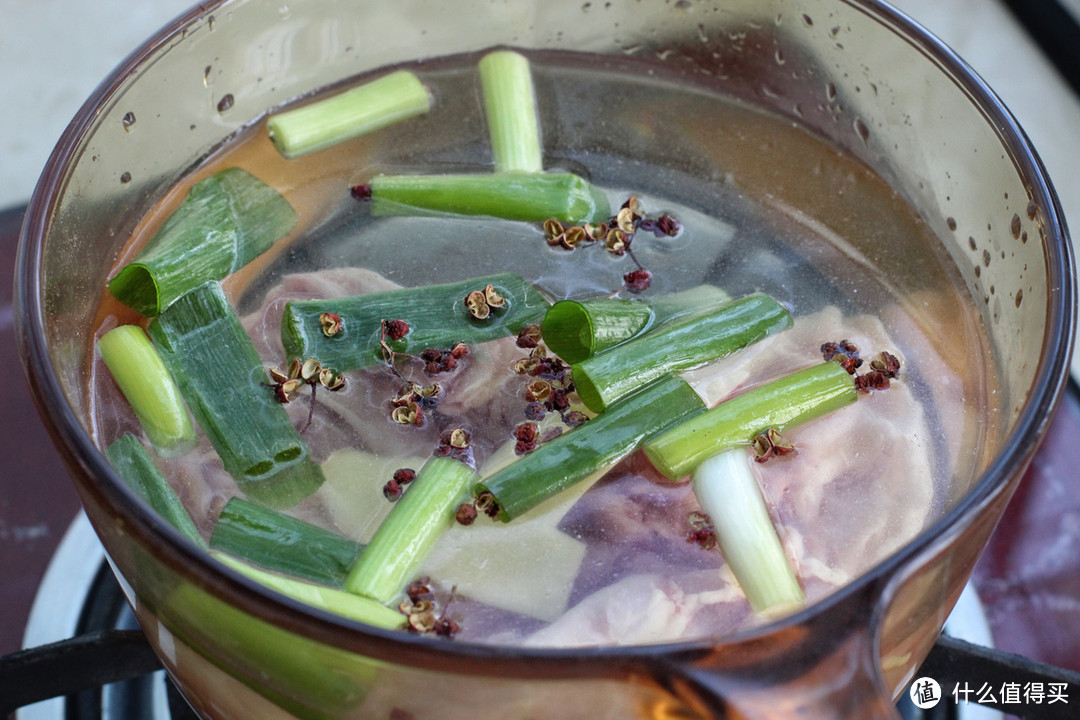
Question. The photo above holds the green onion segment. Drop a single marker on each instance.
(281, 543)
(510, 105)
(784, 402)
(331, 600)
(137, 469)
(225, 222)
(349, 114)
(602, 441)
(685, 342)
(221, 376)
(436, 315)
(527, 197)
(728, 492)
(578, 329)
(403, 540)
(142, 377)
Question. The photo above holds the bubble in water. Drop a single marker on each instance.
(225, 103)
(128, 120)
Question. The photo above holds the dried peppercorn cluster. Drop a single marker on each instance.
(286, 384)
(883, 368)
(617, 236)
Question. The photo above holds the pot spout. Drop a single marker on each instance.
(821, 670)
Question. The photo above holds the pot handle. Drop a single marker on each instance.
(798, 672)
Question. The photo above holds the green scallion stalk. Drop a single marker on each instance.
(409, 532)
(602, 441)
(281, 543)
(350, 114)
(137, 469)
(575, 330)
(221, 377)
(728, 492)
(311, 680)
(331, 600)
(527, 197)
(685, 342)
(436, 315)
(142, 377)
(682, 302)
(782, 403)
(226, 221)
(510, 105)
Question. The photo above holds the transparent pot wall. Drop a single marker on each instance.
(831, 66)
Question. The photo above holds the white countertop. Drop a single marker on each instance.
(56, 51)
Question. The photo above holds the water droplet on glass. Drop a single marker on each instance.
(128, 121)
(862, 130)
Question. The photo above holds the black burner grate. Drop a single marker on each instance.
(108, 671)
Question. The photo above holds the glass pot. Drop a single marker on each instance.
(854, 71)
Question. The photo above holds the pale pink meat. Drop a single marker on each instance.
(859, 485)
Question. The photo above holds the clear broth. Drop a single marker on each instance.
(765, 205)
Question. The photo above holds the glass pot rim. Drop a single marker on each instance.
(168, 546)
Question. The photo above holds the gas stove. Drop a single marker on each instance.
(1017, 624)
